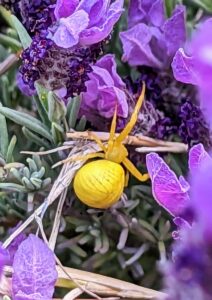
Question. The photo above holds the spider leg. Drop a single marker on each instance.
(112, 131)
(127, 175)
(76, 158)
(133, 118)
(97, 140)
(134, 171)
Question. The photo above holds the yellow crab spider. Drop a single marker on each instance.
(100, 183)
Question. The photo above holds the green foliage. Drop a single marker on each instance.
(205, 4)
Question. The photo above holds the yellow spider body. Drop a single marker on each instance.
(100, 183)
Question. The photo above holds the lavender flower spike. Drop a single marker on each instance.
(87, 23)
(151, 40)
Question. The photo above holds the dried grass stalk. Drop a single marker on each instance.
(100, 285)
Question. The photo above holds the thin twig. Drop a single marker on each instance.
(172, 149)
(8, 63)
(56, 225)
(138, 140)
(48, 151)
(103, 285)
(73, 294)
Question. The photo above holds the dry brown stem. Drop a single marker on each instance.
(101, 285)
(8, 62)
(137, 140)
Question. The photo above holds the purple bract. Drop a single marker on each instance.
(151, 40)
(4, 258)
(195, 66)
(35, 272)
(86, 22)
(105, 89)
(169, 191)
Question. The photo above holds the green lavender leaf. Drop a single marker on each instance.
(22, 32)
(73, 111)
(82, 123)
(35, 138)
(205, 4)
(11, 147)
(56, 108)
(10, 42)
(26, 120)
(42, 103)
(4, 140)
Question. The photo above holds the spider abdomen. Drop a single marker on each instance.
(99, 183)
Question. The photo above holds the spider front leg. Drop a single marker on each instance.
(134, 171)
(127, 176)
(82, 158)
(94, 137)
(125, 132)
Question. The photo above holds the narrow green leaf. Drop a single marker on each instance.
(74, 111)
(46, 182)
(16, 174)
(8, 41)
(13, 187)
(42, 112)
(42, 103)
(42, 94)
(5, 86)
(205, 4)
(4, 140)
(6, 15)
(56, 108)
(81, 125)
(27, 183)
(35, 138)
(11, 147)
(26, 120)
(32, 165)
(22, 32)
(57, 133)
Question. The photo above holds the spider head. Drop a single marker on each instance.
(117, 153)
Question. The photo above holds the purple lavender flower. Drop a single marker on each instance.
(151, 40)
(87, 23)
(169, 191)
(13, 247)
(105, 89)
(197, 157)
(173, 193)
(23, 87)
(196, 67)
(35, 15)
(189, 275)
(35, 272)
(193, 127)
(63, 71)
(147, 11)
(60, 57)
(4, 258)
